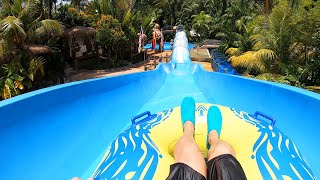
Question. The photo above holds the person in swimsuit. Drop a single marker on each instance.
(190, 163)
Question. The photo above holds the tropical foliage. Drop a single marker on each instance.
(117, 24)
(110, 35)
(25, 24)
(278, 44)
(281, 43)
(290, 32)
(21, 29)
(261, 60)
(202, 23)
(70, 16)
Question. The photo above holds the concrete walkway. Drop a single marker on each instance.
(90, 74)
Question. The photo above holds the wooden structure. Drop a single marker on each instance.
(209, 44)
(81, 44)
(200, 54)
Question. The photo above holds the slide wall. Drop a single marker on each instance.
(63, 131)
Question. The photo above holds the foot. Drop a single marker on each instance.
(213, 137)
(188, 108)
(188, 128)
(214, 121)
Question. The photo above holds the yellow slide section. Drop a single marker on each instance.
(240, 134)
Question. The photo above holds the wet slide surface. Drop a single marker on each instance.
(58, 134)
(262, 149)
(182, 84)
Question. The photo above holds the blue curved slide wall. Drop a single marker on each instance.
(220, 63)
(63, 131)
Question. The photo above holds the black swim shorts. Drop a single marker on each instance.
(223, 167)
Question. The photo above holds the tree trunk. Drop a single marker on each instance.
(305, 55)
(122, 52)
(131, 58)
(267, 7)
(50, 9)
(109, 55)
(55, 8)
(116, 57)
(224, 7)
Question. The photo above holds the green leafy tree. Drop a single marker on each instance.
(18, 31)
(70, 16)
(110, 35)
(201, 23)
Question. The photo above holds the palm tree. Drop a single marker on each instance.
(267, 7)
(248, 53)
(183, 13)
(50, 4)
(19, 31)
(261, 60)
(276, 32)
(116, 8)
(201, 23)
(28, 27)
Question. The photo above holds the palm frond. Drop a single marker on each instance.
(249, 61)
(3, 49)
(10, 83)
(11, 28)
(265, 76)
(31, 13)
(126, 18)
(44, 28)
(265, 55)
(296, 47)
(6, 92)
(16, 6)
(233, 51)
(257, 45)
(302, 52)
(221, 35)
(5, 9)
(36, 64)
(52, 26)
(12, 8)
(255, 37)
(277, 78)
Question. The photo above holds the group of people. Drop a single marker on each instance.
(156, 35)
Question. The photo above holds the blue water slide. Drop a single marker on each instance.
(166, 46)
(220, 63)
(63, 131)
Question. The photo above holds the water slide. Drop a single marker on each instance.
(75, 129)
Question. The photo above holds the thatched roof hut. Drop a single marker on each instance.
(79, 31)
(39, 49)
(79, 34)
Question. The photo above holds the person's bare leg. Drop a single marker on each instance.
(187, 151)
(217, 146)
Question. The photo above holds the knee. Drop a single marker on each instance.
(220, 149)
(226, 148)
(192, 147)
(186, 146)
